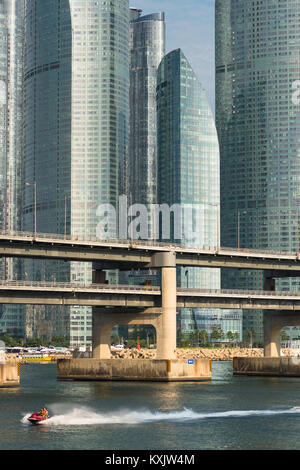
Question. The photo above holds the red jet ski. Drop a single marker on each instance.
(37, 418)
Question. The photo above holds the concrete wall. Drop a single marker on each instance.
(10, 374)
(267, 366)
(134, 369)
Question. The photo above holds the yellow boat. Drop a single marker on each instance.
(36, 358)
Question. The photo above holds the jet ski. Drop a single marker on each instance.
(37, 418)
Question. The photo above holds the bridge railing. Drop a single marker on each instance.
(154, 289)
(144, 243)
(69, 285)
(249, 293)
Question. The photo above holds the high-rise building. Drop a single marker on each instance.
(11, 143)
(257, 62)
(188, 175)
(76, 134)
(147, 48)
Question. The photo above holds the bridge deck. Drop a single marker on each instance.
(125, 254)
(44, 293)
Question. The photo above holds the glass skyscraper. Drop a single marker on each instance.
(11, 143)
(147, 48)
(188, 173)
(257, 63)
(76, 133)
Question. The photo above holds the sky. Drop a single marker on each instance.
(190, 26)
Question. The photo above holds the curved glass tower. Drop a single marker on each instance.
(147, 48)
(188, 171)
(257, 61)
(76, 129)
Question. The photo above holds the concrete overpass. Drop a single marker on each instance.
(117, 305)
(158, 305)
(127, 254)
(141, 297)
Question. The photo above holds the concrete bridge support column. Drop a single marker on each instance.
(271, 331)
(166, 337)
(101, 336)
(271, 335)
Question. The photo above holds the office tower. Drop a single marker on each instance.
(76, 132)
(11, 133)
(257, 63)
(147, 48)
(188, 174)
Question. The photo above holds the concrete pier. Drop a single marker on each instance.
(134, 370)
(267, 366)
(10, 374)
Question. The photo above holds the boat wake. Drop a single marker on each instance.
(82, 416)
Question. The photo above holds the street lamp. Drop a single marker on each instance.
(239, 225)
(34, 185)
(66, 197)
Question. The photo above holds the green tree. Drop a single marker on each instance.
(250, 337)
(216, 335)
(236, 337)
(183, 340)
(203, 336)
(230, 336)
(60, 341)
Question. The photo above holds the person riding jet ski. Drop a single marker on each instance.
(44, 413)
(39, 417)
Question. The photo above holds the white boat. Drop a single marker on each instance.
(117, 347)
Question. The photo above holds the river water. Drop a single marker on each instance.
(226, 413)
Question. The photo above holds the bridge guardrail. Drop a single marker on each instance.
(67, 285)
(144, 243)
(154, 289)
(249, 293)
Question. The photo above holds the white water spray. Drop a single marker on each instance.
(82, 416)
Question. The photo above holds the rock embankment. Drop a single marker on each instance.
(12, 358)
(222, 354)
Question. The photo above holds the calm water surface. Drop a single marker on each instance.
(226, 413)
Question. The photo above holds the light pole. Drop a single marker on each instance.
(34, 185)
(66, 198)
(239, 225)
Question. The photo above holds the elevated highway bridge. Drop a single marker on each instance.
(141, 297)
(126, 254)
(149, 305)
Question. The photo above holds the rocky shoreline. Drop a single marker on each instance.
(218, 354)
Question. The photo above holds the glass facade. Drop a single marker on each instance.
(188, 172)
(76, 133)
(147, 48)
(11, 143)
(257, 62)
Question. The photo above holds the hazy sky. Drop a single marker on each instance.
(190, 26)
